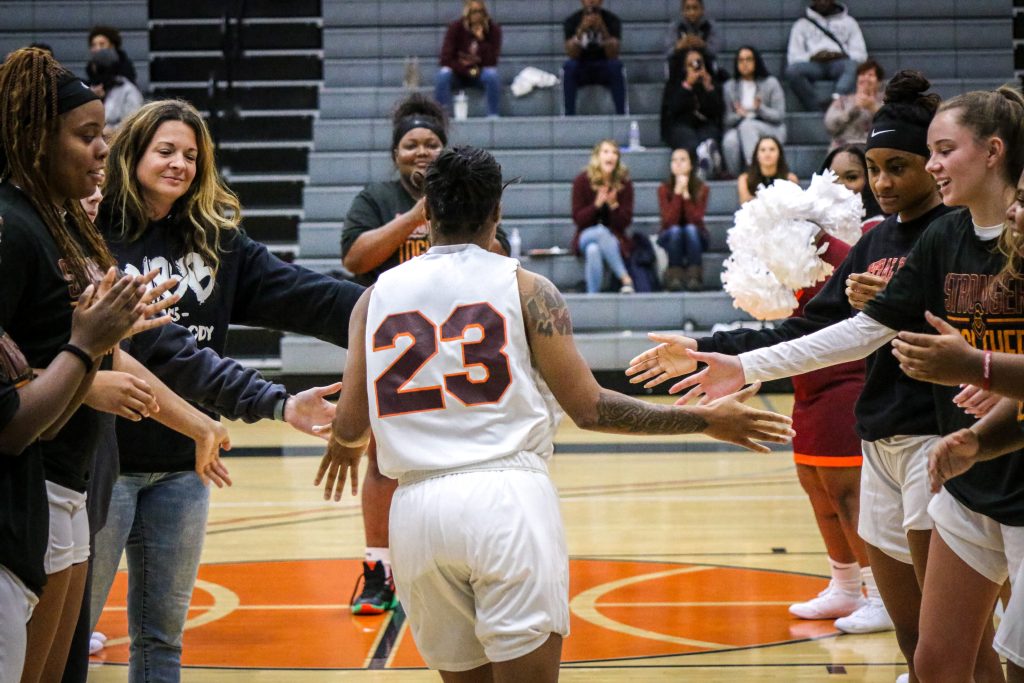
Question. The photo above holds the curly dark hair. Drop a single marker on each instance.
(463, 188)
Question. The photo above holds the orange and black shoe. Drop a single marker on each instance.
(378, 594)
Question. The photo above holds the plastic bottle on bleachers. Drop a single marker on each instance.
(515, 244)
(411, 81)
(634, 136)
(461, 106)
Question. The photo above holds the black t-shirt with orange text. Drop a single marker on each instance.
(377, 205)
(951, 272)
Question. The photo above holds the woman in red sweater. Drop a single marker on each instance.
(602, 209)
(682, 201)
(469, 57)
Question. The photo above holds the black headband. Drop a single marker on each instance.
(896, 134)
(72, 93)
(416, 121)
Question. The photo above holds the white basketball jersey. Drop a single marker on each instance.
(448, 367)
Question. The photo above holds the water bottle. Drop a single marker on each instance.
(515, 244)
(461, 106)
(411, 80)
(634, 135)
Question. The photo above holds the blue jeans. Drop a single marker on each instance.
(488, 80)
(599, 246)
(159, 520)
(800, 77)
(606, 72)
(683, 245)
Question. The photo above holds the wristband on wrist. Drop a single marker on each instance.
(279, 408)
(986, 371)
(80, 354)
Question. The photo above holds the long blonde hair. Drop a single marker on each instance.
(620, 174)
(210, 206)
(465, 13)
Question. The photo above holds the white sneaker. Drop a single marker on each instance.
(831, 603)
(870, 618)
(97, 641)
(903, 678)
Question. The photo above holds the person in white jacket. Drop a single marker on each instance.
(824, 44)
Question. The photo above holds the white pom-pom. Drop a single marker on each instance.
(773, 242)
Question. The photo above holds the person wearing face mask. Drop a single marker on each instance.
(120, 96)
(109, 38)
(602, 209)
(848, 119)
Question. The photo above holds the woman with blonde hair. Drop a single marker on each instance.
(166, 207)
(602, 209)
(469, 56)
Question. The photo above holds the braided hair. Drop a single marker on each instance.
(463, 188)
(29, 124)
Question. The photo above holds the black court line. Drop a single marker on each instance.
(388, 641)
(560, 449)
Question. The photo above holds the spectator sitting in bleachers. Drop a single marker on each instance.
(109, 38)
(592, 41)
(682, 202)
(602, 209)
(824, 44)
(694, 31)
(469, 57)
(691, 110)
(767, 164)
(848, 119)
(120, 96)
(755, 106)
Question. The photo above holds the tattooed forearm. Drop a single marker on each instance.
(622, 413)
(546, 310)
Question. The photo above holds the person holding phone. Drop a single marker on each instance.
(691, 105)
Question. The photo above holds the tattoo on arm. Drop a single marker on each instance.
(615, 411)
(547, 311)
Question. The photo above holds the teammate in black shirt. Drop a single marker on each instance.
(977, 153)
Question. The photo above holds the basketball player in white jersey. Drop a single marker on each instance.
(450, 359)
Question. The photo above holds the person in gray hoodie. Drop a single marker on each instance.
(824, 44)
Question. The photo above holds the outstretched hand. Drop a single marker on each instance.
(861, 288)
(975, 400)
(953, 455)
(728, 419)
(209, 444)
(943, 358)
(338, 464)
(722, 376)
(308, 409)
(666, 360)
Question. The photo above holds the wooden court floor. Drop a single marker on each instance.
(685, 554)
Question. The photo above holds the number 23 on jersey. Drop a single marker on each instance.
(487, 352)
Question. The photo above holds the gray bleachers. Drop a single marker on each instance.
(64, 26)
(960, 44)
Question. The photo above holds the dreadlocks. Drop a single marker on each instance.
(28, 122)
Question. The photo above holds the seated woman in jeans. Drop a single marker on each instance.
(602, 209)
(682, 201)
(469, 57)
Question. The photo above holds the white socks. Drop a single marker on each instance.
(847, 577)
(379, 555)
(868, 577)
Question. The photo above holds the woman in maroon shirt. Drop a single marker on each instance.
(682, 201)
(469, 57)
(602, 209)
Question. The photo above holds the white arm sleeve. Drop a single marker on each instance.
(849, 340)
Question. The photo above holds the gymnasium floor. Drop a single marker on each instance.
(685, 554)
